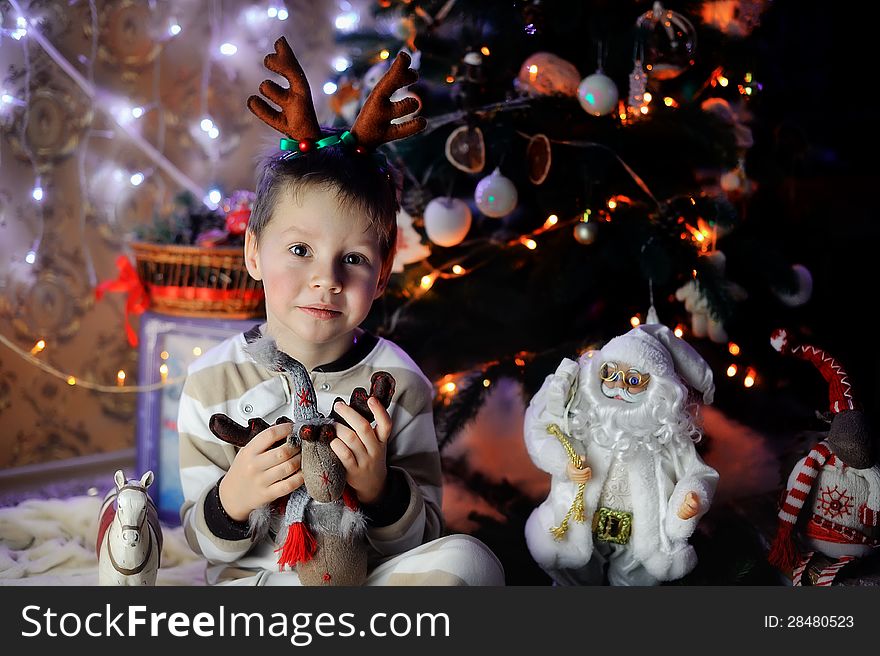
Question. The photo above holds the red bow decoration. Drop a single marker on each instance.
(127, 282)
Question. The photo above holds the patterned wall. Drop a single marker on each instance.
(68, 141)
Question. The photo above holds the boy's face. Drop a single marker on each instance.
(320, 266)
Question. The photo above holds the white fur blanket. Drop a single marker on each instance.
(52, 542)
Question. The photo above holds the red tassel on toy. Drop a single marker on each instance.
(783, 552)
(299, 547)
(349, 498)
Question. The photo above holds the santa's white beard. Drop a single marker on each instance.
(660, 418)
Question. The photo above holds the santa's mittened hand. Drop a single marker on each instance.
(689, 507)
(559, 387)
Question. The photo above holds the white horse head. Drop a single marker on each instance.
(129, 535)
(131, 506)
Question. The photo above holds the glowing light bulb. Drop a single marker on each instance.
(71, 381)
(164, 355)
(531, 244)
(679, 331)
(163, 372)
(347, 21)
(647, 96)
(634, 321)
(206, 124)
(120, 378)
(272, 12)
(519, 362)
(643, 109)
(341, 64)
(137, 112)
(174, 29)
(213, 133)
(283, 14)
(37, 193)
(485, 51)
(723, 81)
(6, 99)
(750, 379)
(733, 348)
(384, 54)
(39, 346)
(486, 382)
(136, 179)
(215, 196)
(31, 257)
(457, 269)
(228, 49)
(731, 371)
(449, 387)
(450, 79)
(552, 220)
(612, 204)
(330, 88)
(427, 281)
(669, 102)
(197, 351)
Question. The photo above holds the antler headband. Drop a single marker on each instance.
(298, 122)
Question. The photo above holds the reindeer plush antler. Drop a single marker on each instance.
(297, 119)
(373, 125)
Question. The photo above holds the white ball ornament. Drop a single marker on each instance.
(495, 195)
(597, 94)
(447, 221)
(586, 232)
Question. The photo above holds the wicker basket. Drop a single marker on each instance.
(192, 281)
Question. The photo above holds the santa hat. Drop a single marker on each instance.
(654, 349)
(848, 440)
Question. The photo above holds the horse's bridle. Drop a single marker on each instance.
(136, 570)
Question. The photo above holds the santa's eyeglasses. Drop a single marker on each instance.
(632, 378)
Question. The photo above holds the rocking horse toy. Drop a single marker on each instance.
(129, 542)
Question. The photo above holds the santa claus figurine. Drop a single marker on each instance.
(615, 431)
(829, 514)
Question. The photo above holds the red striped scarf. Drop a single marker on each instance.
(783, 552)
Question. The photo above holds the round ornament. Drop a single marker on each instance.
(495, 195)
(546, 74)
(804, 288)
(669, 41)
(586, 232)
(539, 157)
(597, 94)
(466, 149)
(447, 221)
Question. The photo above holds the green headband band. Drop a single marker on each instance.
(304, 146)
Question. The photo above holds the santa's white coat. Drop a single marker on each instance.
(659, 482)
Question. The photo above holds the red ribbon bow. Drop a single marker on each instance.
(127, 282)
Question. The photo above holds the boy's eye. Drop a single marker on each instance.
(300, 250)
(355, 258)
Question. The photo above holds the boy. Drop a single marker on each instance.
(321, 238)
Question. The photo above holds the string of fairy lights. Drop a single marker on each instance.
(125, 118)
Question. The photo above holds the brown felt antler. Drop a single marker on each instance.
(373, 126)
(297, 117)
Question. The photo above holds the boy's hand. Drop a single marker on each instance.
(260, 474)
(362, 450)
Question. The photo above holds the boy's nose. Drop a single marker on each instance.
(327, 280)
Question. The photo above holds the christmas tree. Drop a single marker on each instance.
(582, 163)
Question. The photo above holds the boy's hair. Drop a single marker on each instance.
(363, 182)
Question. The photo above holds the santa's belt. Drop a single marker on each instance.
(612, 525)
(824, 529)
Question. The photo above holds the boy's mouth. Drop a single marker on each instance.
(320, 311)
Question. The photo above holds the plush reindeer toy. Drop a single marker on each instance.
(319, 527)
